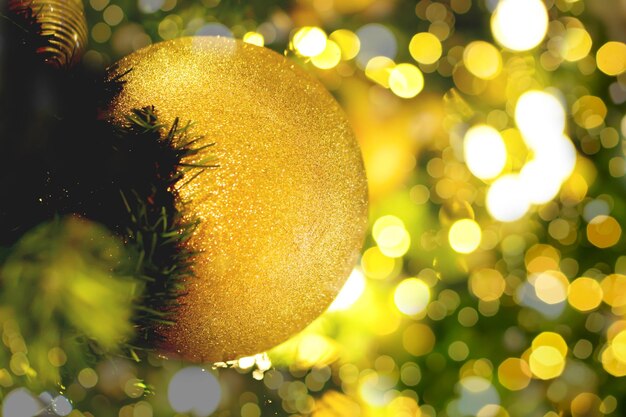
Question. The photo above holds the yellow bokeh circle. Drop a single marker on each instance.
(482, 59)
(464, 236)
(604, 231)
(425, 48)
(584, 294)
(611, 58)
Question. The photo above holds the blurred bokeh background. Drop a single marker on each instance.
(493, 279)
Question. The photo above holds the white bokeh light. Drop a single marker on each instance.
(506, 199)
(61, 406)
(519, 25)
(540, 117)
(484, 152)
(475, 394)
(557, 157)
(539, 188)
(309, 41)
(194, 390)
(20, 403)
(376, 40)
(412, 296)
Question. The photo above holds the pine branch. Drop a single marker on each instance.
(155, 229)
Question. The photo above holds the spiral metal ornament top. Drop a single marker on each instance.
(64, 26)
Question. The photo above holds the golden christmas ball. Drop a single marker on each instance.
(282, 219)
(64, 25)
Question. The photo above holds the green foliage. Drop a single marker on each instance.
(66, 297)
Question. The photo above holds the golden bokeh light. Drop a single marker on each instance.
(519, 25)
(550, 286)
(589, 112)
(552, 339)
(487, 284)
(329, 57)
(541, 257)
(376, 264)
(546, 362)
(619, 346)
(425, 48)
(585, 294)
(348, 42)
(406, 80)
(482, 59)
(586, 404)
(611, 58)
(576, 44)
(254, 38)
(604, 231)
(391, 236)
(614, 290)
(514, 374)
(492, 410)
(611, 363)
(464, 236)
(404, 407)
(418, 339)
(379, 68)
(384, 222)
(615, 328)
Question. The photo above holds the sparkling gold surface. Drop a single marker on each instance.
(282, 218)
(64, 22)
